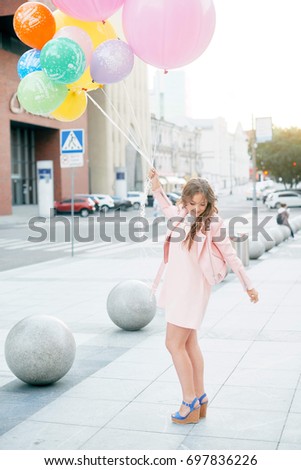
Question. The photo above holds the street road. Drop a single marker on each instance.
(16, 250)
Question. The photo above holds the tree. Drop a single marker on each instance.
(282, 156)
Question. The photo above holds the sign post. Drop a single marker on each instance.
(72, 156)
(263, 133)
(45, 187)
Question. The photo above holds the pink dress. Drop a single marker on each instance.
(185, 292)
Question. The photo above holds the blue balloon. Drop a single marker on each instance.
(29, 62)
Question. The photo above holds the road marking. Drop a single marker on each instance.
(10, 241)
(107, 248)
(18, 246)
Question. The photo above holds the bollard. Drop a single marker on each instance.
(241, 247)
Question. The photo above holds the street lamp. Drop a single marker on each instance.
(231, 182)
(190, 156)
(254, 168)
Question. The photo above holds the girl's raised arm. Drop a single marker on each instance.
(168, 209)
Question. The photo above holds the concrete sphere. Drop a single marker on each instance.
(256, 249)
(285, 230)
(268, 244)
(297, 220)
(40, 349)
(295, 226)
(277, 235)
(131, 305)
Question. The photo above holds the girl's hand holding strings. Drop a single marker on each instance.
(154, 177)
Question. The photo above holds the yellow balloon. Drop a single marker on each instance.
(72, 108)
(85, 83)
(97, 30)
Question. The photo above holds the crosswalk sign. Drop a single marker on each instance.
(72, 141)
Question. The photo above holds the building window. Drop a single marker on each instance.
(8, 39)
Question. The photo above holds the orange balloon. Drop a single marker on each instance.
(34, 24)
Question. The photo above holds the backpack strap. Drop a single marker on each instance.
(164, 262)
(158, 277)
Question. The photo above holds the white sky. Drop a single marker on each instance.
(252, 65)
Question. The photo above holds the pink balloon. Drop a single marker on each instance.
(89, 10)
(168, 33)
(80, 36)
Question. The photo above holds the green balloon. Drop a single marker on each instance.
(63, 60)
(39, 95)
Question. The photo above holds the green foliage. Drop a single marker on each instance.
(282, 156)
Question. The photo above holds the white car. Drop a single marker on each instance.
(137, 198)
(106, 202)
(292, 199)
(249, 193)
(261, 188)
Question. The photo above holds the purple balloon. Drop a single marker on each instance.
(112, 61)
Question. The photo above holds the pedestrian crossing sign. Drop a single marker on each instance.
(72, 141)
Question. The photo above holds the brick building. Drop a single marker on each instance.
(25, 138)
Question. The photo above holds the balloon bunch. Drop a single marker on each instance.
(56, 73)
(75, 49)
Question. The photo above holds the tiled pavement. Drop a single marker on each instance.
(122, 387)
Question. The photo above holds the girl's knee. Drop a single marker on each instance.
(169, 344)
(192, 342)
(193, 348)
(176, 338)
(173, 346)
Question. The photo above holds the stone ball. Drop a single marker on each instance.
(297, 220)
(285, 230)
(277, 235)
(256, 248)
(295, 226)
(268, 244)
(40, 349)
(131, 305)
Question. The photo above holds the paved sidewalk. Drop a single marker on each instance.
(122, 387)
(20, 215)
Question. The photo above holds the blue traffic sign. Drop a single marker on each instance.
(72, 141)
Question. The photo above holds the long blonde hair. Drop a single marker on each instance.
(202, 222)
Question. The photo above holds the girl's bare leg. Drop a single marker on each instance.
(176, 338)
(197, 362)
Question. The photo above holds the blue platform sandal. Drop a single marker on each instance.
(192, 417)
(203, 405)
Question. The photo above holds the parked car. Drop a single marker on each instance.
(249, 193)
(121, 203)
(150, 200)
(291, 198)
(265, 194)
(137, 198)
(106, 202)
(173, 197)
(94, 198)
(82, 205)
(269, 191)
(261, 188)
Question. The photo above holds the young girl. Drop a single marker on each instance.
(186, 291)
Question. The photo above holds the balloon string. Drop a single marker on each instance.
(130, 133)
(122, 132)
(147, 183)
(134, 115)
